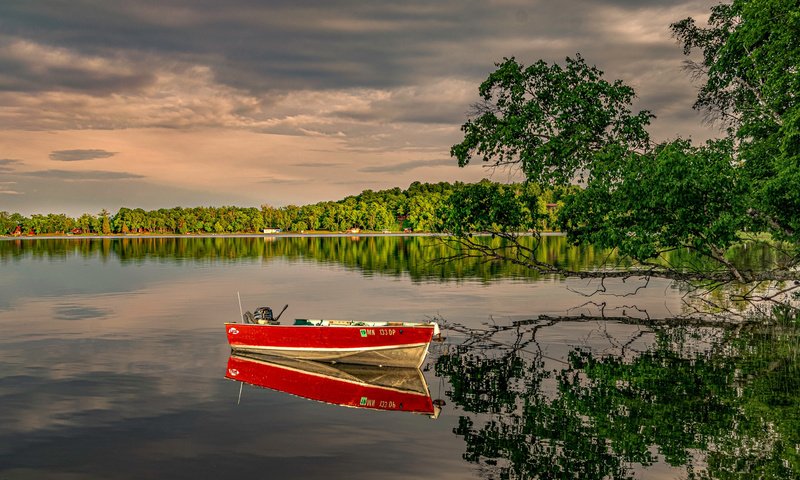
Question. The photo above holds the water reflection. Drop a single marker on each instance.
(112, 367)
(416, 256)
(358, 386)
(712, 401)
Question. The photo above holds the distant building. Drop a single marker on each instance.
(272, 230)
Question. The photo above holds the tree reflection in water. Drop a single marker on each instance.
(717, 401)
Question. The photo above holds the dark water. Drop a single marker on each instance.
(113, 360)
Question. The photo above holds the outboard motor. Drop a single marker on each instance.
(263, 315)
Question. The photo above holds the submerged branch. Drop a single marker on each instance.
(528, 328)
(522, 255)
(715, 287)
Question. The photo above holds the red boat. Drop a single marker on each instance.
(358, 386)
(395, 344)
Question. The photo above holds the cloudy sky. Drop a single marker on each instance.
(163, 103)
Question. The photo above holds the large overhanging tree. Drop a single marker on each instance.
(563, 125)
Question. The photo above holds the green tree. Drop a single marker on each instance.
(300, 226)
(676, 196)
(206, 219)
(59, 223)
(552, 122)
(8, 222)
(105, 223)
(384, 220)
(488, 206)
(35, 224)
(121, 222)
(286, 216)
(313, 215)
(750, 56)
(562, 124)
(424, 210)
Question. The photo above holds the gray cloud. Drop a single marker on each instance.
(380, 85)
(52, 193)
(318, 165)
(33, 64)
(280, 181)
(7, 188)
(320, 45)
(269, 50)
(77, 155)
(406, 166)
(73, 311)
(6, 164)
(83, 175)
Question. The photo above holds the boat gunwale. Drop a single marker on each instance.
(330, 323)
(246, 347)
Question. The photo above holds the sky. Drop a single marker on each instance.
(163, 103)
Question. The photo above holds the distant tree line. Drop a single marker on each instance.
(422, 207)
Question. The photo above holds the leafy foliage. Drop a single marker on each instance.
(559, 124)
(422, 207)
(488, 206)
(751, 53)
(675, 196)
(550, 120)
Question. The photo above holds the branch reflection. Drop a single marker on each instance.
(714, 401)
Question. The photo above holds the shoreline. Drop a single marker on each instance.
(242, 235)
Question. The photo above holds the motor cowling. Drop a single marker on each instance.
(264, 315)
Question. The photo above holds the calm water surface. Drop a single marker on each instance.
(113, 360)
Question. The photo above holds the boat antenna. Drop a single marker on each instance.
(241, 384)
(241, 314)
(284, 309)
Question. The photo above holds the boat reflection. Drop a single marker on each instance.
(359, 386)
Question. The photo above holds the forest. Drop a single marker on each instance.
(422, 207)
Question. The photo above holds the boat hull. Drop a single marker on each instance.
(395, 345)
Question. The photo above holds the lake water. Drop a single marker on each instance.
(113, 360)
